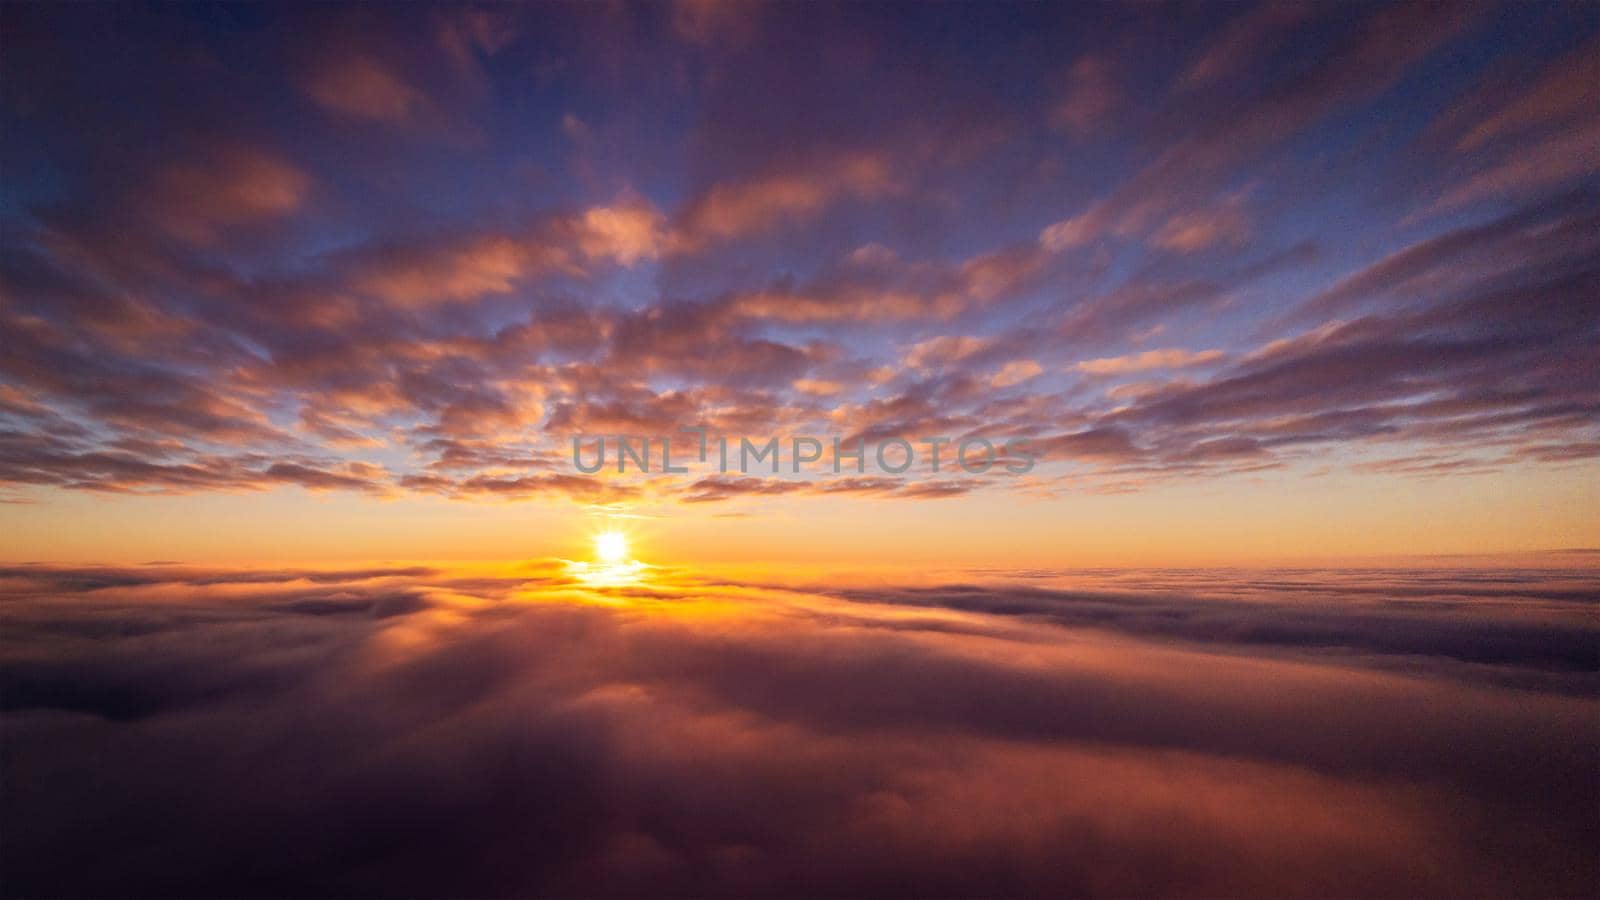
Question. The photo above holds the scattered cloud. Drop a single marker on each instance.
(346, 265)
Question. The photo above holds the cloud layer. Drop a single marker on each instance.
(415, 731)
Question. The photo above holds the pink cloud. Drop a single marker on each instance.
(1171, 358)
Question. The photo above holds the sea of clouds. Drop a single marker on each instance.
(519, 731)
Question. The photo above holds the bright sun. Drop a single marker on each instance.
(611, 547)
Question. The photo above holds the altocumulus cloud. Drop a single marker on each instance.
(415, 252)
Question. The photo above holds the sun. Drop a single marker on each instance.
(613, 564)
(611, 547)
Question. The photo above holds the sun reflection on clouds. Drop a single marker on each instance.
(608, 574)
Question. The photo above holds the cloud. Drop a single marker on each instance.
(817, 388)
(944, 350)
(334, 241)
(1138, 300)
(872, 283)
(500, 732)
(1241, 42)
(1356, 62)
(626, 232)
(228, 186)
(709, 22)
(1564, 91)
(1556, 161)
(362, 87)
(469, 267)
(146, 467)
(1016, 372)
(1089, 97)
(730, 210)
(1524, 242)
(1195, 230)
(715, 488)
(1171, 358)
(553, 484)
(1457, 373)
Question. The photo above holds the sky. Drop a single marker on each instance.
(1275, 282)
(1283, 323)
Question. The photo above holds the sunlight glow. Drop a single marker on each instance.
(612, 565)
(611, 548)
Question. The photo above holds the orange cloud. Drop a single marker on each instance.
(730, 210)
(488, 265)
(472, 267)
(1173, 358)
(944, 350)
(363, 88)
(227, 186)
(627, 232)
(1224, 223)
(1016, 372)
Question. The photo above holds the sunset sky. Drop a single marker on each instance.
(1262, 284)
(303, 597)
